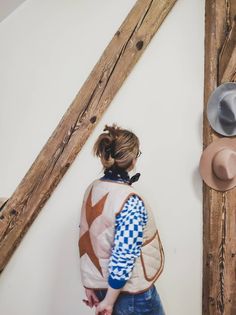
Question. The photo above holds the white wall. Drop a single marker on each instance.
(7, 7)
(48, 48)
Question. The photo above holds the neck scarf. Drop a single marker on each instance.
(116, 173)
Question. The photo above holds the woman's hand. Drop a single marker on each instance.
(92, 298)
(104, 308)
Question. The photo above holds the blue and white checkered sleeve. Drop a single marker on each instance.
(127, 241)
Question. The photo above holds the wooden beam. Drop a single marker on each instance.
(227, 59)
(115, 64)
(219, 217)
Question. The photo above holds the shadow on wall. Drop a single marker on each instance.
(196, 178)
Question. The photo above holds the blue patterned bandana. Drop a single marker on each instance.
(116, 173)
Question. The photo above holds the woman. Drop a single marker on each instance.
(121, 255)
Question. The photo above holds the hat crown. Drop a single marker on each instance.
(224, 164)
(227, 113)
(221, 109)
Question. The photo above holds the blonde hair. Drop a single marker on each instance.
(116, 147)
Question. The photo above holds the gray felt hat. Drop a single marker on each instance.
(221, 109)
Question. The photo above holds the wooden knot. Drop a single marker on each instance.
(210, 256)
(211, 300)
(13, 212)
(93, 119)
(209, 259)
(139, 45)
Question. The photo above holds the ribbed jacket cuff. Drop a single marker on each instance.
(116, 284)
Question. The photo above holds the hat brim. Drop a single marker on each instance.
(213, 109)
(205, 165)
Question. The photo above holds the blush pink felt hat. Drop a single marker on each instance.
(217, 165)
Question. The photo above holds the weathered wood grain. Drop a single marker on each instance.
(219, 219)
(76, 125)
(227, 58)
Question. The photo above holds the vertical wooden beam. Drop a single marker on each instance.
(115, 64)
(219, 217)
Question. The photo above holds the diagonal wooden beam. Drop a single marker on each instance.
(115, 64)
(219, 215)
(227, 59)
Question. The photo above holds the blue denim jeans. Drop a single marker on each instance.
(146, 303)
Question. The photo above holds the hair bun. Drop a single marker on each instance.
(116, 146)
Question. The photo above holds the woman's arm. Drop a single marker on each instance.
(128, 240)
(126, 248)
